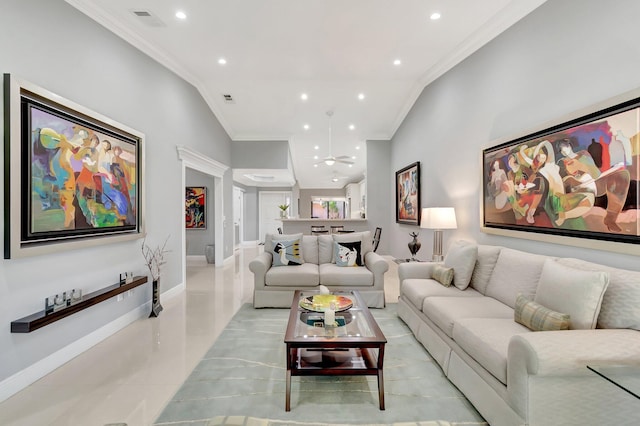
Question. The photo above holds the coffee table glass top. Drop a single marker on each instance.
(626, 377)
(352, 323)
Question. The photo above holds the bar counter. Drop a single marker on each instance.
(294, 226)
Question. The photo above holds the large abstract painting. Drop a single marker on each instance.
(195, 207)
(76, 175)
(408, 194)
(576, 179)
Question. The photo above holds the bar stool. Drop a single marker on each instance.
(318, 229)
(336, 228)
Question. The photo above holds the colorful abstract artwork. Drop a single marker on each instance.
(70, 174)
(578, 179)
(80, 177)
(195, 207)
(408, 195)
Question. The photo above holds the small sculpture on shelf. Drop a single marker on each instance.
(154, 259)
(414, 246)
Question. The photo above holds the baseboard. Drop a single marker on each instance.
(20, 380)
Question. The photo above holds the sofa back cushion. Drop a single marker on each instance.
(461, 256)
(515, 272)
(486, 261)
(572, 291)
(309, 244)
(325, 249)
(621, 299)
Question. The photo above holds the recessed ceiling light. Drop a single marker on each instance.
(304, 97)
(315, 157)
(181, 15)
(361, 96)
(397, 62)
(315, 165)
(222, 61)
(351, 127)
(435, 16)
(350, 165)
(306, 127)
(353, 158)
(358, 147)
(316, 147)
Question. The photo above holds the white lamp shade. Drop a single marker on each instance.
(438, 218)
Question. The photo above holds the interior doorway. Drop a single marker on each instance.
(269, 211)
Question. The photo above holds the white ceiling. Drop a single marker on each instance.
(331, 50)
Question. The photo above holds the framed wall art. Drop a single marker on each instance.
(73, 176)
(195, 204)
(408, 195)
(578, 178)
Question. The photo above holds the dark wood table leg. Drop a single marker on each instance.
(287, 401)
(380, 376)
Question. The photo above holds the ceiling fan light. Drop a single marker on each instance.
(329, 162)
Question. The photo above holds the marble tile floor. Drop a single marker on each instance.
(128, 378)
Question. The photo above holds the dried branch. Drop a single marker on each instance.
(154, 258)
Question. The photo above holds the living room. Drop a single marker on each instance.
(561, 58)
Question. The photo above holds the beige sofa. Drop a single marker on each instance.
(274, 285)
(511, 374)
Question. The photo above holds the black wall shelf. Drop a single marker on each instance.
(40, 319)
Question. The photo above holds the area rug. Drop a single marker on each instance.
(241, 381)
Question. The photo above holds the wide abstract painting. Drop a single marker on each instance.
(577, 179)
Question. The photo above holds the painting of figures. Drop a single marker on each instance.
(80, 177)
(195, 207)
(579, 179)
(408, 195)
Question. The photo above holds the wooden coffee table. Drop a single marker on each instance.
(354, 349)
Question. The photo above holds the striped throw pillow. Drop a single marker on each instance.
(443, 275)
(538, 318)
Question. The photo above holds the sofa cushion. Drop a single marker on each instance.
(462, 257)
(538, 318)
(486, 261)
(515, 272)
(416, 289)
(348, 253)
(573, 291)
(444, 311)
(325, 249)
(333, 275)
(287, 252)
(310, 248)
(443, 275)
(621, 299)
(305, 275)
(487, 341)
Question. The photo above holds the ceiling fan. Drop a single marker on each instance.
(330, 160)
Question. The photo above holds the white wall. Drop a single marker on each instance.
(563, 57)
(50, 44)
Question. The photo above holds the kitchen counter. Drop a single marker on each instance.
(296, 225)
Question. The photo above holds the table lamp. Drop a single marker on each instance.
(438, 218)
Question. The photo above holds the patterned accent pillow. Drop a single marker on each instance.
(443, 275)
(348, 254)
(287, 253)
(538, 318)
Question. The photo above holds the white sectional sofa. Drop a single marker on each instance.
(511, 374)
(274, 285)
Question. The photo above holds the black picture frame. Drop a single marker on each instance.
(408, 206)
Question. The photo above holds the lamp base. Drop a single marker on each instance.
(437, 258)
(437, 246)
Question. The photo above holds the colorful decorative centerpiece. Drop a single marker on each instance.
(322, 302)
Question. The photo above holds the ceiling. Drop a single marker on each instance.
(330, 50)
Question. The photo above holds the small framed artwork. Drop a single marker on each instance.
(408, 195)
(578, 179)
(72, 176)
(195, 204)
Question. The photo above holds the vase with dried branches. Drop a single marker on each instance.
(154, 259)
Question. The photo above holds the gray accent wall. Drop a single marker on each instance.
(563, 57)
(260, 154)
(197, 239)
(380, 194)
(85, 63)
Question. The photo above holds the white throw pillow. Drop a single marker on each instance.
(462, 257)
(363, 237)
(271, 239)
(572, 291)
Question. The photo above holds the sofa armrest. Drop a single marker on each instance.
(259, 266)
(378, 265)
(545, 364)
(415, 270)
